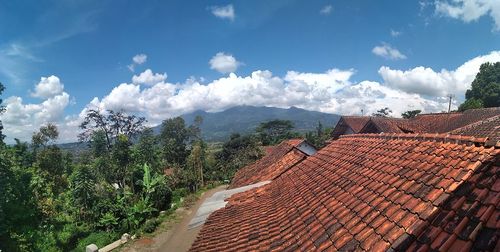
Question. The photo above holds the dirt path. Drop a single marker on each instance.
(176, 237)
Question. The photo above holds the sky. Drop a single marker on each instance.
(160, 59)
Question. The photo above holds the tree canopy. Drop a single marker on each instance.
(274, 131)
(384, 112)
(411, 113)
(485, 89)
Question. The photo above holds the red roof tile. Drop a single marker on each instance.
(489, 128)
(370, 192)
(349, 125)
(281, 157)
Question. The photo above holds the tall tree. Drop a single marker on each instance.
(384, 112)
(174, 137)
(111, 124)
(411, 113)
(485, 89)
(275, 131)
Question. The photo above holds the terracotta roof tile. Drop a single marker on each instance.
(356, 194)
(280, 158)
(349, 125)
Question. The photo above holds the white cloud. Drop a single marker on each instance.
(224, 12)
(395, 33)
(326, 10)
(426, 81)
(21, 119)
(470, 10)
(147, 77)
(331, 91)
(224, 63)
(138, 59)
(388, 52)
(48, 87)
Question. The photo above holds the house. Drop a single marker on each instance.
(279, 159)
(422, 123)
(371, 192)
(349, 125)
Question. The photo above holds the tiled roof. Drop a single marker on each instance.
(369, 192)
(388, 125)
(281, 157)
(354, 123)
(487, 128)
(445, 122)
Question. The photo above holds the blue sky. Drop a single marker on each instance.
(331, 56)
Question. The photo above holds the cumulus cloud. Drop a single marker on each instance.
(470, 10)
(388, 52)
(147, 77)
(331, 91)
(224, 63)
(48, 87)
(326, 10)
(426, 81)
(21, 119)
(138, 59)
(224, 12)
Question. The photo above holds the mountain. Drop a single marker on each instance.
(218, 126)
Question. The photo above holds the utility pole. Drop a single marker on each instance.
(362, 112)
(449, 104)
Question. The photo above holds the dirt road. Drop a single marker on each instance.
(177, 237)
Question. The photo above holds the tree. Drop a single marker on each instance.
(485, 89)
(275, 131)
(121, 159)
(318, 137)
(411, 113)
(174, 138)
(47, 134)
(384, 112)
(2, 110)
(111, 125)
(471, 103)
(237, 152)
(147, 151)
(82, 189)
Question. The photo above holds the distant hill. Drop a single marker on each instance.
(218, 126)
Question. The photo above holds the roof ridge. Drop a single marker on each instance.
(443, 137)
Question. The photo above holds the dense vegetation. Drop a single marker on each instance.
(485, 89)
(51, 200)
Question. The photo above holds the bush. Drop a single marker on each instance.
(179, 193)
(151, 225)
(100, 239)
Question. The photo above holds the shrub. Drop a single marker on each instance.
(151, 225)
(100, 239)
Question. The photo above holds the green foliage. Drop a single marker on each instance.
(318, 137)
(471, 103)
(174, 138)
(138, 213)
(237, 152)
(108, 221)
(82, 189)
(384, 112)
(98, 238)
(46, 134)
(151, 225)
(275, 131)
(485, 89)
(411, 113)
